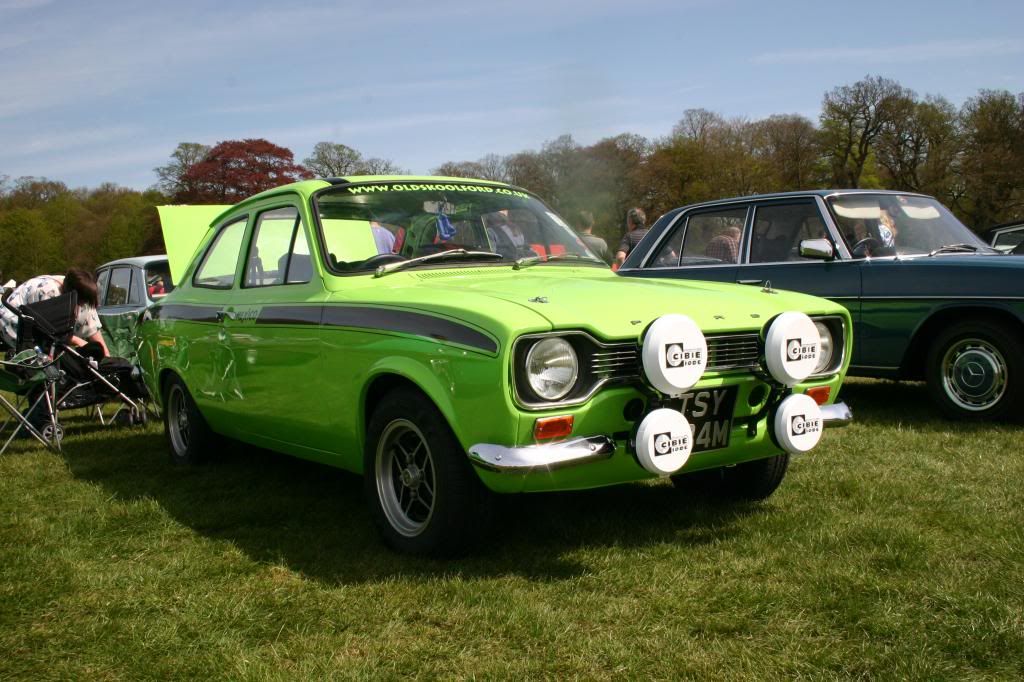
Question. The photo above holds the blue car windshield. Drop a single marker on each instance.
(370, 224)
(898, 225)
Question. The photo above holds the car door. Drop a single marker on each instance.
(198, 331)
(702, 244)
(772, 254)
(273, 322)
(120, 302)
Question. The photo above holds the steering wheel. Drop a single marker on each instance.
(380, 259)
(865, 246)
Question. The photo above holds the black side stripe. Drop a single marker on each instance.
(290, 314)
(191, 313)
(352, 317)
(407, 322)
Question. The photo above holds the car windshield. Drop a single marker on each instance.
(158, 279)
(366, 226)
(899, 225)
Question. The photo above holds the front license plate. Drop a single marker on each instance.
(710, 416)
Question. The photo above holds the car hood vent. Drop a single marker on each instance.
(460, 272)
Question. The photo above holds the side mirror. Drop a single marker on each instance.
(817, 248)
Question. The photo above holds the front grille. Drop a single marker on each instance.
(617, 361)
(733, 351)
(726, 353)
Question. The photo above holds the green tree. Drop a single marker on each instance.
(30, 247)
(173, 179)
(992, 164)
(852, 119)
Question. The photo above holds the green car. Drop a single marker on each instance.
(452, 338)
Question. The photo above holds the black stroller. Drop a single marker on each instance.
(45, 329)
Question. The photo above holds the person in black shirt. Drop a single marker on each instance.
(636, 228)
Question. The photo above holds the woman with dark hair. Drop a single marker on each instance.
(87, 323)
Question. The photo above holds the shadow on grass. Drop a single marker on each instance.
(312, 518)
(879, 401)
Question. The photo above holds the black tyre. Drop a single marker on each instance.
(976, 370)
(423, 493)
(189, 437)
(749, 481)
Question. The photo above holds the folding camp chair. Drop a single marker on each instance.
(31, 373)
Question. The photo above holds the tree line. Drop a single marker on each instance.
(874, 133)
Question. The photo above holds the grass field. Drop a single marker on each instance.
(894, 550)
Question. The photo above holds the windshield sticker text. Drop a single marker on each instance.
(374, 189)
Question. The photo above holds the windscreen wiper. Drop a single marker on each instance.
(527, 261)
(440, 255)
(955, 248)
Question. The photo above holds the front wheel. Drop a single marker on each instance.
(975, 370)
(749, 481)
(423, 493)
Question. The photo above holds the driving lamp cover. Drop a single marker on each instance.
(664, 442)
(674, 354)
(798, 423)
(792, 348)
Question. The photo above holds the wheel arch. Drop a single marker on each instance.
(162, 379)
(913, 365)
(404, 374)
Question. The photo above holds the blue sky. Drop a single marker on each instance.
(103, 91)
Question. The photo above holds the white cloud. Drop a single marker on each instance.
(919, 52)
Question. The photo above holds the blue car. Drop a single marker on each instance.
(929, 299)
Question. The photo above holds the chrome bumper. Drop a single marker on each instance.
(836, 415)
(546, 457)
(551, 456)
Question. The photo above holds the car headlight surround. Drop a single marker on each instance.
(832, 330)
(551, 368)
(827, 347)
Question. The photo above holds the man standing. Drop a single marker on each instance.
(636, 228)
(585, 227)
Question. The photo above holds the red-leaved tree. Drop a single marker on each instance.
(236, 169)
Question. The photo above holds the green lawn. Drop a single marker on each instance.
(894, 550)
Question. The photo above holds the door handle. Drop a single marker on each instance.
(757, 282)
(226, 315)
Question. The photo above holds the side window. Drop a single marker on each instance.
(158, 279)
(779, 229)
(135, 295)
(120, 285)
(270, 247)
(278, 251)
(300, 268)
(102, 280)
(708, 238)
(217, 271)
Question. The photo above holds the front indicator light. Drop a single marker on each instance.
(547, 428)
(820, 394)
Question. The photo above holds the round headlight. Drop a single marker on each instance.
(552, 368)
(825, 356)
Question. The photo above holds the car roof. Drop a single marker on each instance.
(1005, 227)
(141, 261)
(308, 187)
(801, 193)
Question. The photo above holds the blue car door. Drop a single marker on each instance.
(772, 255)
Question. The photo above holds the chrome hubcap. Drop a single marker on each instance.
(405, 477)
(974, 374)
